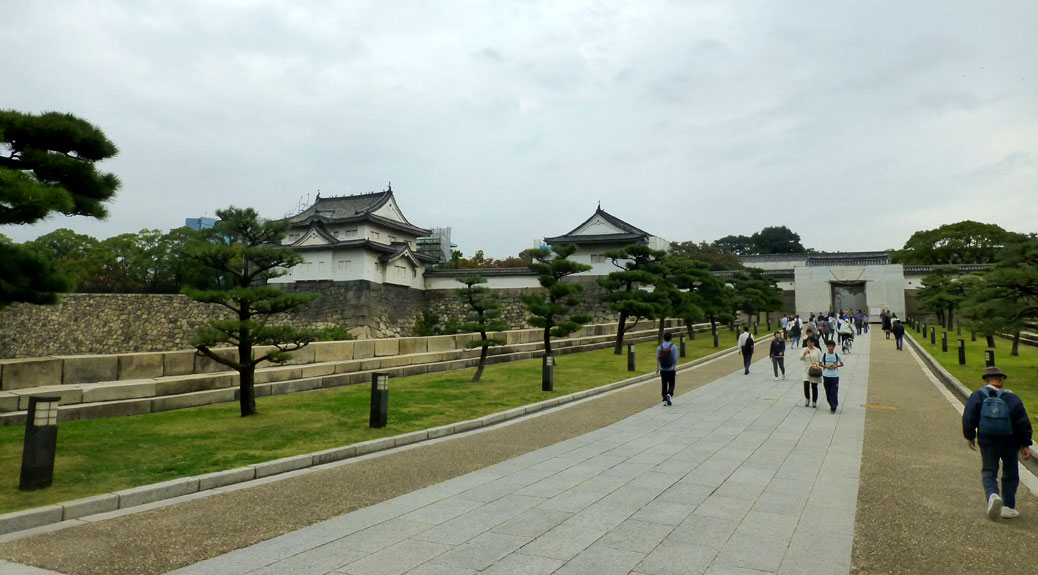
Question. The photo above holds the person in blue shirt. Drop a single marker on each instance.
(998, 448)
(831, 364)
(666, 366)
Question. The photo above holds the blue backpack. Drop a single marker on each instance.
(994, 416)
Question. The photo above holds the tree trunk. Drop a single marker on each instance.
(482, 358)
(247, 390)
(659, 332)
(690, 328)
(621, 327)
(951, 318)
(1016, 345)
(991, 341)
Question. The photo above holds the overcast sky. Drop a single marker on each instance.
(853, 123)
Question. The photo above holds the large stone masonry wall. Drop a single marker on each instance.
(124, 323)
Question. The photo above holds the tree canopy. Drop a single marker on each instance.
(553, 311)
(638, 266)
(47, 165)
(708, 253)
(965, 242)
(770, 240)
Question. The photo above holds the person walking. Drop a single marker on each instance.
(811, 357)
(666, 366)
(784, 324)
(996, 419)
(831, 364)
(899, 333)
(794, 332)
(746, 348)
(884, 319)
(778, 355)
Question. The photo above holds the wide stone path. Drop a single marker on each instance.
(736, 477)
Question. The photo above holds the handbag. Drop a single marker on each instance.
(814, 371)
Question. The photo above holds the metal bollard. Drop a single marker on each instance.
(547, 373)
(630, 357)
(944, 341)
(989, 357)
(962, 352)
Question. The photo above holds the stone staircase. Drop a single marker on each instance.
(98, 386)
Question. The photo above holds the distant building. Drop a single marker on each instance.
(358, 237)
(602, 232)
(200, 223)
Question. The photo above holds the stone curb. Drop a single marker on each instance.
(942, 374)
(108, 502)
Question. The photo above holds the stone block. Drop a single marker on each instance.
(157, 492)
(282, 465)
(32, 372)
(463, 426)
(442, 343)
(16, 419)
(348, 366)
(178, 362)
(463, 339)
(371, 365)
(8, 401)
(408, 438)
(295, 385)
(385, 347)
(89, 368)
(193, 399)
(90, 506)
(396, 361)
(359, 377)
(140, 365)
(263, 389)
(334, 454)
(205, 364)
(426, 358)
(301, 356)
(192, 383)
(363, 349)
(332, 351)
(22, 520)
(68, 393)
(494, 418)
(375, 445)
(335, 380)
(277, 373)
(116, 391)
(413, 371)
(442, 431)
(409, 345)
(513, 337)
(224, 478)
(104, 410)
(317, 370)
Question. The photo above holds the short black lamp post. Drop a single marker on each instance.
(547, 372)
(379, 399)
(989, 358)
(962, 352)
(630, 357)
(933, 336)
(716, 343)
(755, 328)
(924, 329)
(944, 341)
(681, 345)
(41, 443)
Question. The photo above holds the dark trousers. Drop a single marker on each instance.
(747, 356)
(900, 341)
(832, 391)
(777, 363)
(667, 378)
(991, 456)
(812, 387)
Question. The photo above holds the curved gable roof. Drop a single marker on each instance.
(614, 230)
(356, 208)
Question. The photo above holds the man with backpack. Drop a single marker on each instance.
(996, 419)
(746, 348)
(899, 333)
(666, 366)
(831, 364)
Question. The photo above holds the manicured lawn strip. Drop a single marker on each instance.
(105, 455)
(1022, 370)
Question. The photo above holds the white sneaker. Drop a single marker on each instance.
(776, 378)
(1010, 513)
(994, 507)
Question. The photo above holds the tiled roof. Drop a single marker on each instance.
(355, 208)
(630, 233)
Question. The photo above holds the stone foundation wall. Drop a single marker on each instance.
(125, 323)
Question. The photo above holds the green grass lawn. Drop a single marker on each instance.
(1022, 369)
(105, 455)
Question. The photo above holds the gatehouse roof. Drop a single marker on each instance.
(376, 207)
(601, 228)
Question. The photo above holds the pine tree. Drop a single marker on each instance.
(485, 315)
(639, 266)
(549, 311)
(248, 253)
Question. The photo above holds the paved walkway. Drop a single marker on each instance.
(736, 477)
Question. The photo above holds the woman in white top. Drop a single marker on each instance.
(811, 356)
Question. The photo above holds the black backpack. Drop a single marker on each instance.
(666, 357)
